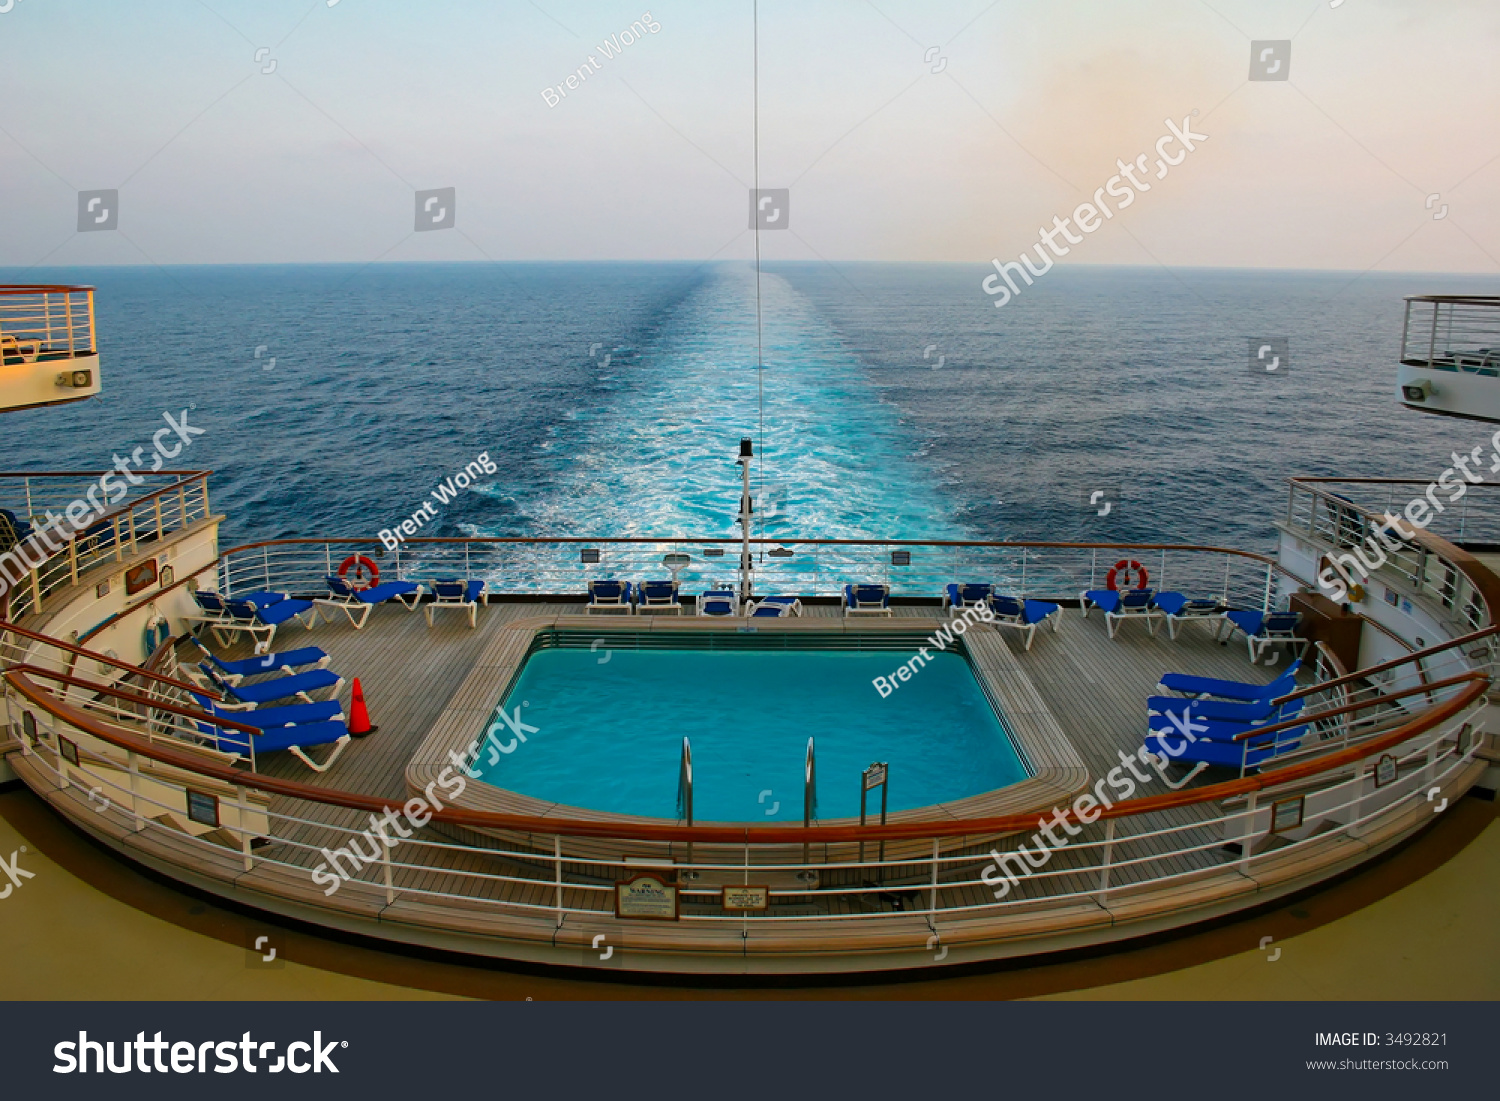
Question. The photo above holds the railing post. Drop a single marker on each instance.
(557, 866)
(1432, 343)
(385, 860)
(73, 560)
(132, 763)
(1109, 847)
(932, 899)
(1248, 834)
(244, 832)
(160, 531)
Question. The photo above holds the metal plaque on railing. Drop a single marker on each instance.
(647, 897)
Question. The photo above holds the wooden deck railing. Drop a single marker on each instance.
(1337, 793)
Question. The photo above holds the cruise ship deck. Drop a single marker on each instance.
(124, 749)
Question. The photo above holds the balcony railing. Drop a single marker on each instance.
(1452, 333)
(36, 560)
(43, 323)
(1346, 513)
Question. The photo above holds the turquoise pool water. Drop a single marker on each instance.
(609, 732)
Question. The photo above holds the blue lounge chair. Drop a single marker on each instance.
(1134, 604)
(610, 596)
(296, 728)
(453, 592)
(1024, 615)
(13, 530)
(1106, 599)
(260, 620)
(1230, 710)
(1180, 610)
(278, 688)
(210, 608)
(719, 602)
(222, 616)
(1220, 729)
(291, 714)
(957, 597)
(1245, 755)
(349, 600)
(659, 596)
(1190, 685)
(867, 600)
(776, 607)
(1266, 629)
(288, 661)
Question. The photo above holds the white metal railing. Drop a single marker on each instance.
(42, 323)
(1101, 861)
(807, 568)
(1324, 513)
(1452, 333)
(44, 561)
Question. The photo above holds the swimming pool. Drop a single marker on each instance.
(610, 723)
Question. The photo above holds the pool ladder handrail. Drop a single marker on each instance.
(809, 792)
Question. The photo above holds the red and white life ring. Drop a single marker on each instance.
(1127, 566)
(362, 564)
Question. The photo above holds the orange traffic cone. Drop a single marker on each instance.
(359, 721)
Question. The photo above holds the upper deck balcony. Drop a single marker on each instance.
(1450, 350)
(48, 354)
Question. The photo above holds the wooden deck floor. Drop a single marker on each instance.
(1095, 686)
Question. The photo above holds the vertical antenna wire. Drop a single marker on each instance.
(760, 362)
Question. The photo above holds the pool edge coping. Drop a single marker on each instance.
(1057, 772)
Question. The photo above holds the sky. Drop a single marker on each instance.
(291, 131)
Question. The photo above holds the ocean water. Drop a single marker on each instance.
(895, 400)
